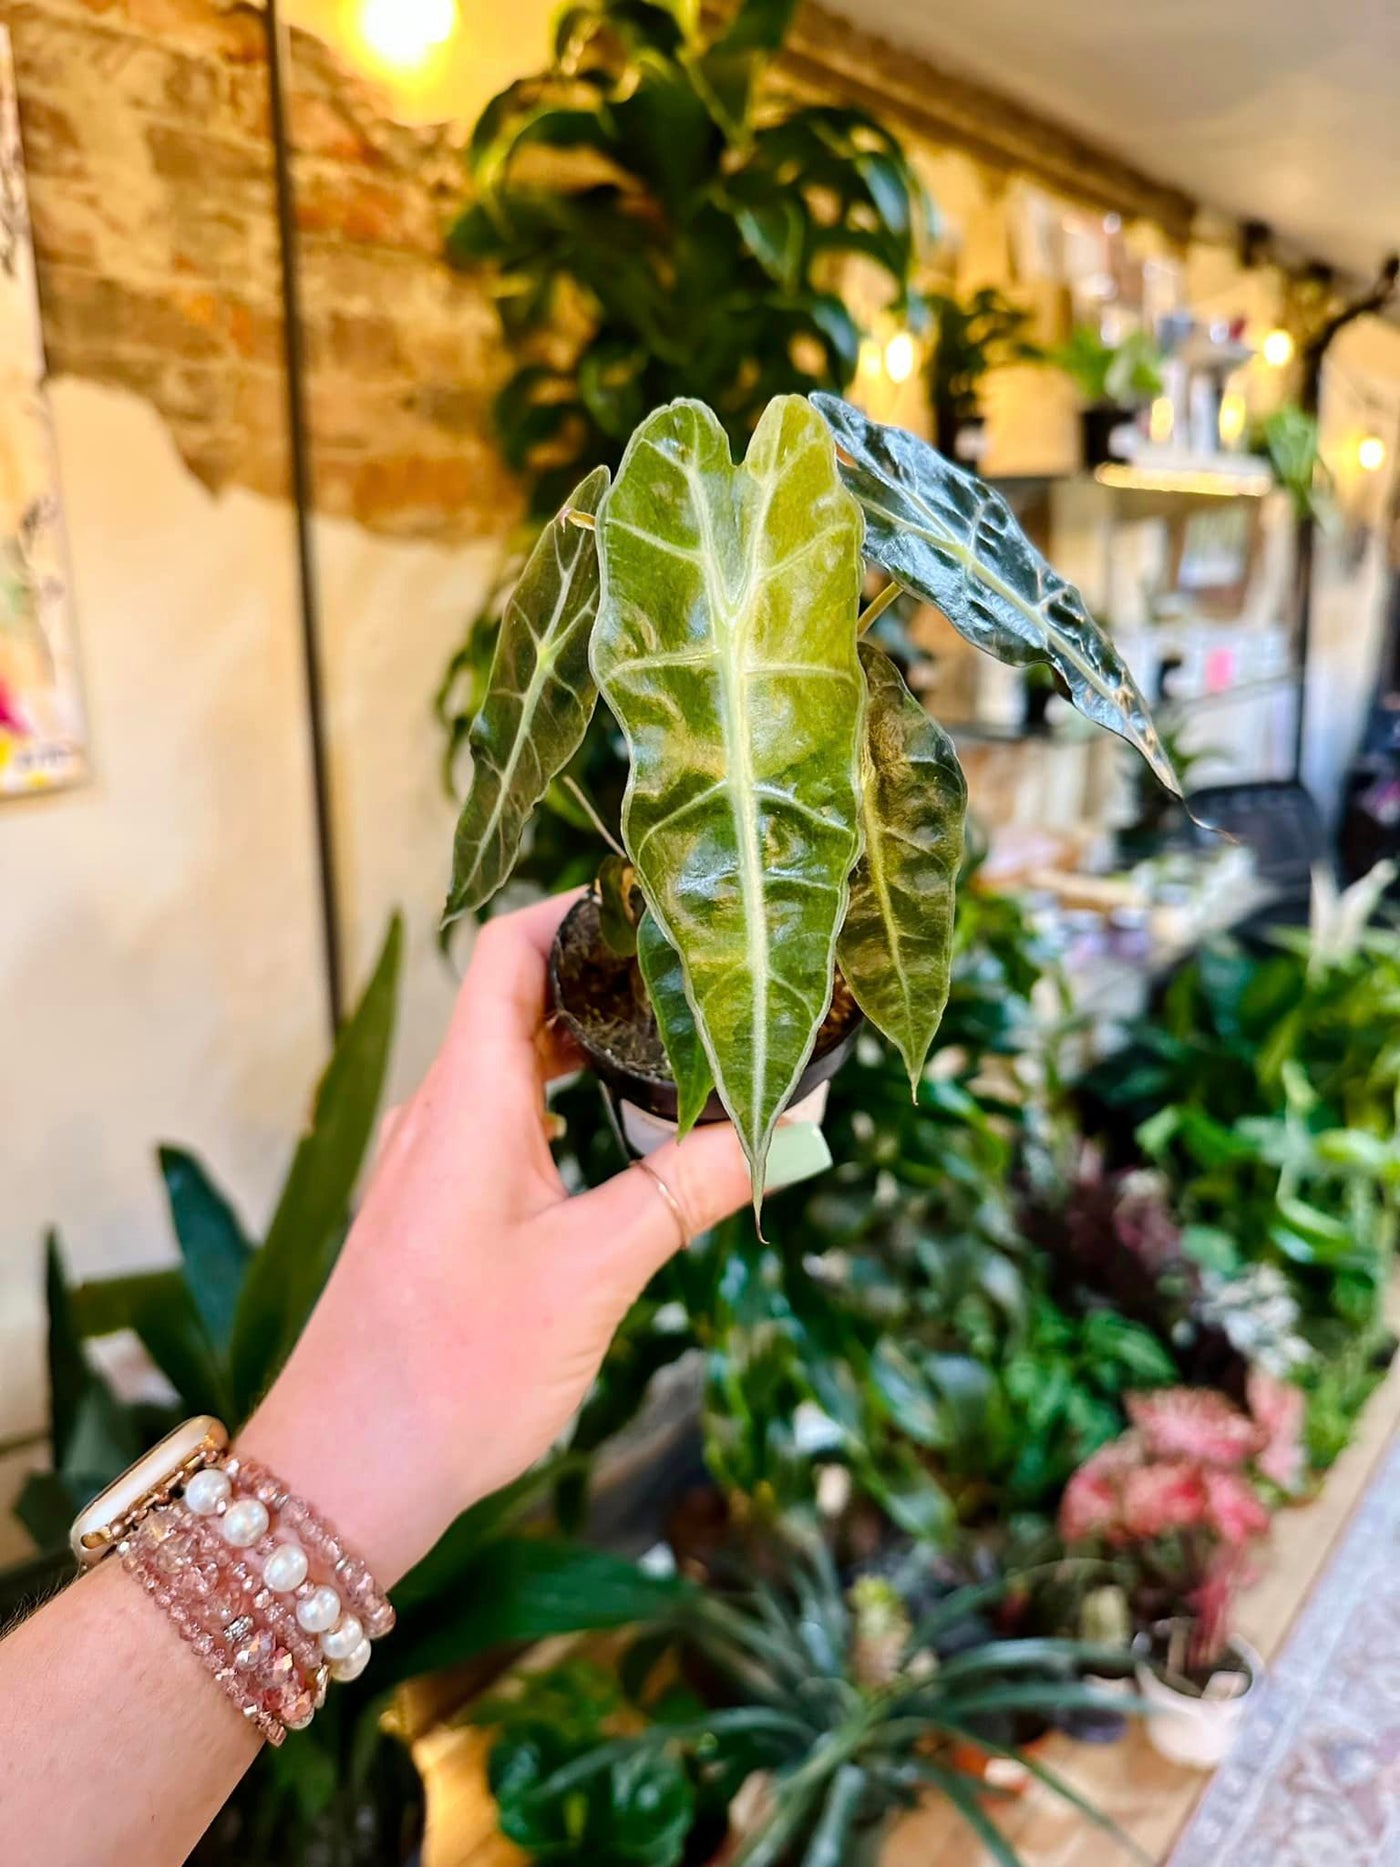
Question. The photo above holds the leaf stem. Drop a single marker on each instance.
(878, 605)
(585, 804)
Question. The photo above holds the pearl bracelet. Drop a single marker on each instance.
(270, 1598)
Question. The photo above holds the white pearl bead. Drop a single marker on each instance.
(285, 1568)
(244, 1522)
(351, 1668)
(320, 1610)
(206, 1491)
(343, 1638)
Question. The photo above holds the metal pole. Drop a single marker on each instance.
(278, 48)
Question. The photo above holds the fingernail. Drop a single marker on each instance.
(798, 1151)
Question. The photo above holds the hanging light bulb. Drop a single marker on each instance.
(403, 34)
(871, 357)
(1370, 453)
(1278, 349)
(900, 357)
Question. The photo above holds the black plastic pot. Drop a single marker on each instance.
(962, 438)
(655, 1090)
(1098, 427)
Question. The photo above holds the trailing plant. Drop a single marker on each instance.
(837, 1707)
(655, 228)
(1121, 375)
(790, 806)
(971, 338)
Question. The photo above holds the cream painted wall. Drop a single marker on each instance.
(159, 958)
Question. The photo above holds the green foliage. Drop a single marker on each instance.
(726, 649)
(634, 202)
(1120, 375)
(970, 341)
(539, 699)
(845, 1700)
(1290, 438)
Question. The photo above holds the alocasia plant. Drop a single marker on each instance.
(791, 811)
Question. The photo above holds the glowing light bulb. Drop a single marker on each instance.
(900, 357)
(1278, 349)
(1370, 453)
(402, 34)
(870, 358)
(1161, 421)
(1232, 418)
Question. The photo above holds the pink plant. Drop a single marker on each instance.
(11, 719)
(1279, 1409)
(1195, 1423)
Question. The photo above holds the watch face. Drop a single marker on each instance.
(152, 1478)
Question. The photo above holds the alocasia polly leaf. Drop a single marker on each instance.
(725, 646)
(954, 542)
(661, 973)
(896, 947)
(539, 700)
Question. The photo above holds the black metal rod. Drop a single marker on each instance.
(302, 495)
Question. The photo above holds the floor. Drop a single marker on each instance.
(1315, 1778)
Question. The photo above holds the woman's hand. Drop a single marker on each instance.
(474, 1299)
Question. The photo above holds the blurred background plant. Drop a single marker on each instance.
(971, 338)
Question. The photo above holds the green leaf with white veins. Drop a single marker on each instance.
(896, 948)
(954, 542)
(539, 699)
(726, 648)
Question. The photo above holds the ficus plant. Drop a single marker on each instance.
(793, 818)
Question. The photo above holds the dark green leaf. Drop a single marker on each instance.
(665, 983)
(216, 1252)
(896, 947)
(69, 1374)
(953, 541)
(287, 1275)
(725, 647)
(538, 704)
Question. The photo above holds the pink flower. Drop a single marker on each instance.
(1278, 1408)
(1194, 1423)
(1234, 1508)
(11, 719)
(1167, 1495)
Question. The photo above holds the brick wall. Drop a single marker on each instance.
(146, 131)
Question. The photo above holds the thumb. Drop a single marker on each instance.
(646, 1213)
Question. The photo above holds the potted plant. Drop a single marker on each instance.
(1114, 381)
(1179, 1499)
(811, 1712)
(971, 339)
(792, 823)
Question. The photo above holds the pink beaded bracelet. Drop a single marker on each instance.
(258, 1584)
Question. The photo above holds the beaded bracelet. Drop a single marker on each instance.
(258, 1584)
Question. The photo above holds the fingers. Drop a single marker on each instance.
(501, 1007)
(643, 1215)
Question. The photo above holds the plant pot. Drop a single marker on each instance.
(962, 438)
(1098, 1727)
(1107, 433)
(597, 997)
(1196, 1729)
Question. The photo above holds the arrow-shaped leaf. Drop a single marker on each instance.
(665, 982)
(896, 947)
(953, 541)
(726, 648)
(539, 700)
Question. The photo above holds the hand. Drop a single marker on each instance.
(474, 1300)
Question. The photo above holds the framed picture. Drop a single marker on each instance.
(43, 732)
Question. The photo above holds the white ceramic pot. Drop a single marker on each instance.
(1196, 1731)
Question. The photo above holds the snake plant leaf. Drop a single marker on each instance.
(954, 542)
(665, 983)
(726, 648)
(539, 700)
(896, 948)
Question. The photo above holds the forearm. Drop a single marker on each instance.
(115, 1744)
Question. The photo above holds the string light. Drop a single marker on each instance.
(870, 359)
(1370, 453)
(403, 34)
(900, 357)
(1232, 418)
(1278, 349)
(1161, 420)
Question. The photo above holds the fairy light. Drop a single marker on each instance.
(1370, 453)
(900, 357)
(1278, 349)
(1161, 420)
(1233, 415)
(871, 357)
(404, 34)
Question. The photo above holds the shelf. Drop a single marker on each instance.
(1183, 476)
